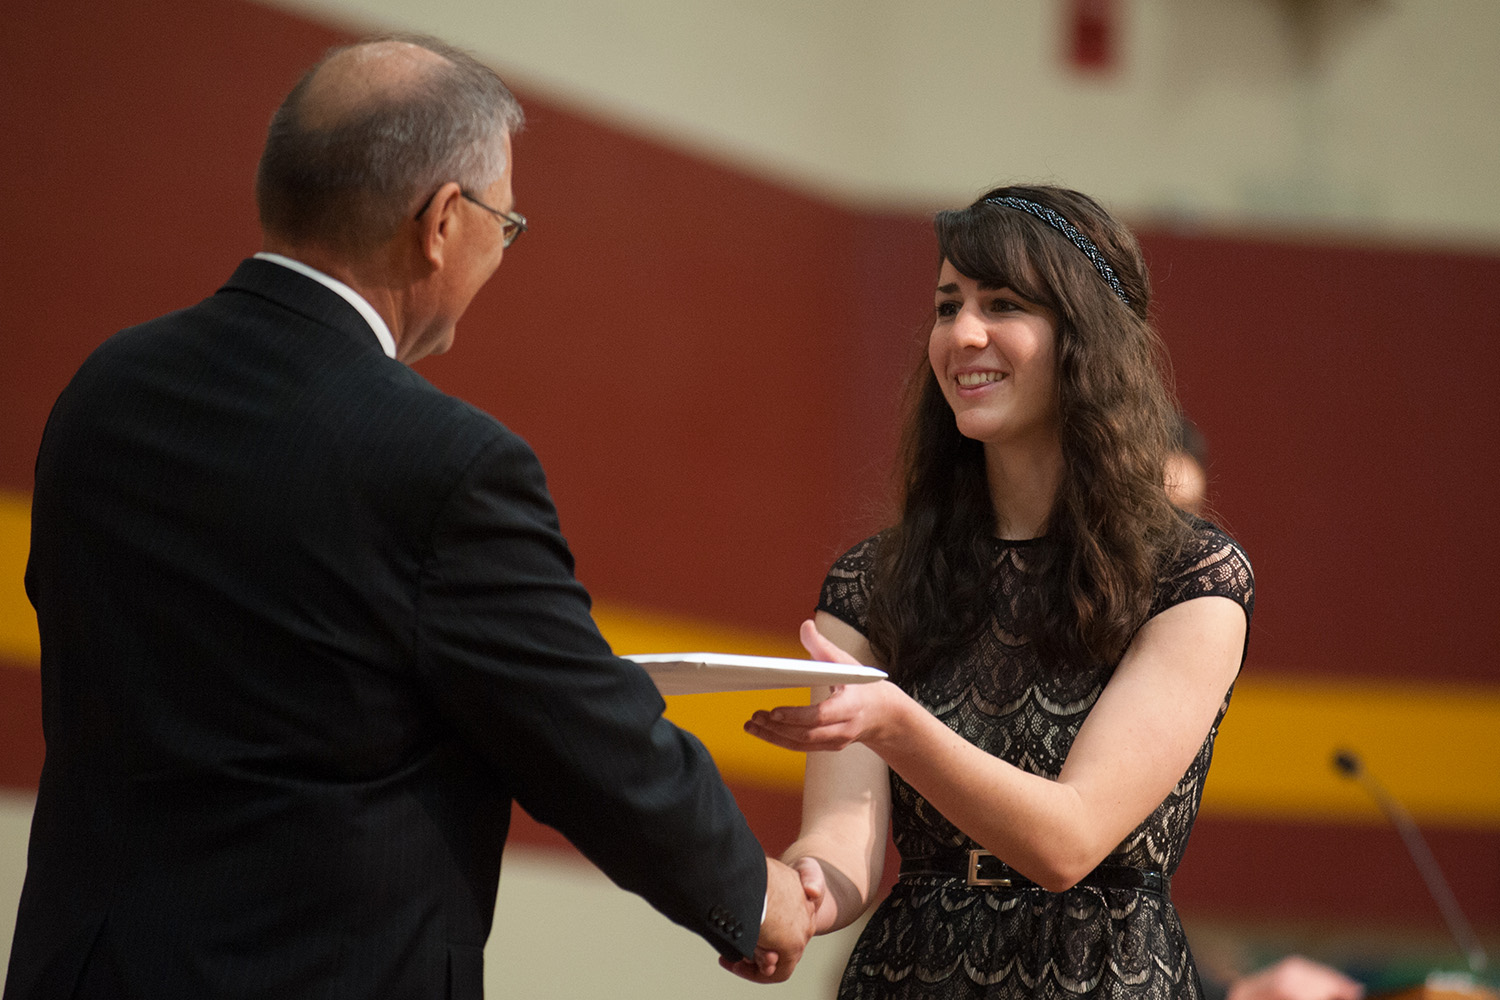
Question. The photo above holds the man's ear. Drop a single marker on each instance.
(435, 227)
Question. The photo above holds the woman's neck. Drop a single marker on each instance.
(1023, 488)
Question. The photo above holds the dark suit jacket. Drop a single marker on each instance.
(308, 628)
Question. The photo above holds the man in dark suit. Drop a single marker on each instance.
(308, 624)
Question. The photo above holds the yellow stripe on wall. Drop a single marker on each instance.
(716, 719)
(1435, 747)
(18, 638)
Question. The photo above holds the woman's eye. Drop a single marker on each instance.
(947, 309)
(1004, 305)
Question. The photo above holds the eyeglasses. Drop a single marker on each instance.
(512, 224)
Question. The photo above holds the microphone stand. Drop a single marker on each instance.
(1349, 765)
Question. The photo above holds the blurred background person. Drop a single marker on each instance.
(1187, 467)
(1294, 977)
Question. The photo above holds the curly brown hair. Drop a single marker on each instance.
(1111, 525)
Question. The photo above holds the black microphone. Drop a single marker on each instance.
(1348, 764)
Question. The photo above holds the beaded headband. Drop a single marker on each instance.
(1077, 238)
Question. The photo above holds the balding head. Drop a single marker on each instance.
(371, 131)
(352, 81)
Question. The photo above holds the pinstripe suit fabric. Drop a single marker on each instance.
(308, 628)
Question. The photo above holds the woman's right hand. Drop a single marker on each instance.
(815, 885)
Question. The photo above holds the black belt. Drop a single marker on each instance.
(981, 868)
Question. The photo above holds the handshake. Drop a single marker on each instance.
(795, 896)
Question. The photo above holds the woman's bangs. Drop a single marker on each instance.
(994, 247)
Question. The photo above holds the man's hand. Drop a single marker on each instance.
(791, 909)
(1297, 978)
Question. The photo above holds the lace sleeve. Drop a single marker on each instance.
(1211, 565)
(846, 588)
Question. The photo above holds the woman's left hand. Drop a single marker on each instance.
(851, 713)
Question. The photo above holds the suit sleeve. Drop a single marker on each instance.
(511, 654)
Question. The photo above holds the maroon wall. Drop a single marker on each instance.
(703, 361)
(707, 365)
(1348, 396)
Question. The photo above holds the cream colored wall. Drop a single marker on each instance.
(1377, 117)
(15, 828)
(563, 930)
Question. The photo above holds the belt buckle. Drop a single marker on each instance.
(974, 878)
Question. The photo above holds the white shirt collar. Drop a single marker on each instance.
(382, 332)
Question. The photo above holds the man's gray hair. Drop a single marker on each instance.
(347, 177)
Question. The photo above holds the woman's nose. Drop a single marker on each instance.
(969, 330)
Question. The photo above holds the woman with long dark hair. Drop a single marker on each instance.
(1061, 640)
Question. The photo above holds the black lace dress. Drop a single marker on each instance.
(936, 937)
